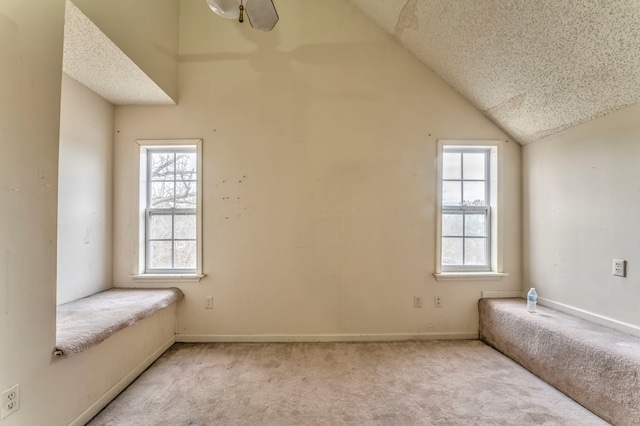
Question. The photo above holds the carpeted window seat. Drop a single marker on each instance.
(86, 322)
(598, 367)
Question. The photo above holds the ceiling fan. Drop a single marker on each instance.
(261, 13)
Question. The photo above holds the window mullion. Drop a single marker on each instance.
(464, 238)
(173, 216)
(173, 240)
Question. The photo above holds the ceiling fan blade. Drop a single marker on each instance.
(262, 14)
(229, 9)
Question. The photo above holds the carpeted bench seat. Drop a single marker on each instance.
(86, 322)
(596, 366)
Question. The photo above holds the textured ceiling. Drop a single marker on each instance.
(534, 67)
(91, 58)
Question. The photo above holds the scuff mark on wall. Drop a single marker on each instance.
(87, 237)
(408, 18)
(5, 264)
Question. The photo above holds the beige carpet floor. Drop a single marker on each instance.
(393, 383)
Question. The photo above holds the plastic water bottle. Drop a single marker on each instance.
(532, 300)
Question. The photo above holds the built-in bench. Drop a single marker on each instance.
(89, 321)
(598, 367)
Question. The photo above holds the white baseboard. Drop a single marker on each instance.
(109, 395)
(490, 294)
(589, 316)
(260, 338)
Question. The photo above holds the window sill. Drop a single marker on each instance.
(470, 276)
(167, 278)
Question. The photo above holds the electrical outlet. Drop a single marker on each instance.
(437, 302)
(417, 302)
(208, 302)
(10, 401)
(619, 267)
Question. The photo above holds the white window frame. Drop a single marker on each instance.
(494, 269)
(141, 274)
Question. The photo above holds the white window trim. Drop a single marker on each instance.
(139, 275)
(497, 207)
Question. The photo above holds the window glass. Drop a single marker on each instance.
(475, 225)
(465, 208)
(171, 211)
(452, 225)
(452, 251)
(475, 251)
(160, 227)
(473, 193)
(452, 193)
(162, 166)
(451, 165)
(474, 166)
(185, 226)
(185, 195)
(160, 254)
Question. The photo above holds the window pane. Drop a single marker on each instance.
(170, 185)
(451, 193)
(475, 251)
(160, 226)
(452, 251)
(160, 254)
(185, 226)
(474, 165)
(475, 225)
(185, 254)
(452, 225)
(162, 195)
(451, 165)
(185, 195)
(186, 166)
(162, 166)
(474, 194)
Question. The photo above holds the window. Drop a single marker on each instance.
(170, 206)
(468, 209)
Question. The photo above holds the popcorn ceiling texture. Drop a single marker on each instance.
(535, 68)
(91, 58)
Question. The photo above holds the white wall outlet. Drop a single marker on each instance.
(10, 401)
(437, 302)
(208, 302)
(417, 302)
(619, 267)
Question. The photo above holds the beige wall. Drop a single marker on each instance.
(145, 30)
(52, 391)
(582, 198)
(85, 189)
(319, 178)
(30, 72)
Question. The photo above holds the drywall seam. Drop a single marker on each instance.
(407, 19)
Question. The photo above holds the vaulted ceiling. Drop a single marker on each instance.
(534, 67)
